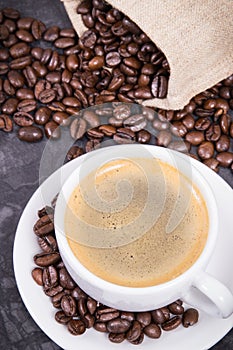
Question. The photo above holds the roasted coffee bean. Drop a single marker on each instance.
(91, 305)
(11, 40)
(4, 32)
(190, 317)
(56, 299)
(180, 146)
(3, 68)
(171, 324)
(107, 130)
(142, 93)
(47, 96)
(8, 88)
(62, 318)
(78, 128)
(212, 163)
(195, 137)
(176, 309)
(11, 13)
(68, 32)
(91, 118)
(16, 79)
(47, 210)
(160, 315)
(21, 62)
(134, 332)
(42, 115)
(116, 337)
(71, 102)
(46, 259)
(40, 69)
(96, 63)
(6, 123)
(52, 291)
(72, 62)
(63, 43)
(152, 331)
(139, 340)
(92, 145)
(52, 130)
(74, 152)
(10, 25)
(108, 316)
(225, 159)
(205, 150)
(164, 138)
(144, 318)
(100, 327)
(95, 133)
(61, 118)
(51, 34)
(202, 124)
(19, 50)
(213, 133)
(37, 274)
(88, 320)
(225, 121)
(178, 129)
(25, 23)
(129, 316)
(50, 276)
(26, 106)
(53, 77)
(25, 94)
(48, 243)
(112, 59)
(82, 306)
(78, 293)
(223, 144)
(159, 86)
(82, 97)
(30, 134)
(65, 279)
(4, 54)
(24, 35)
(23, 119)
(68, 305)
(43, 226)
(10, 106)
(143, 136)
(37, 29)
(118, 325)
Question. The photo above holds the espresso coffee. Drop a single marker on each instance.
(136, 222)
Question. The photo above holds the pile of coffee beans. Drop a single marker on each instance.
(78, 311)
(49, 74)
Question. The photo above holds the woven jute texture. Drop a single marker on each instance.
(196, 36)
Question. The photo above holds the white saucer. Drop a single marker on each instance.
(206, 333)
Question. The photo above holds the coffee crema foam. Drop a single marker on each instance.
(147, 192)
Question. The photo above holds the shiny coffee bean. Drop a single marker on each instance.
(23, 119)
(51, 34)
(78, 128)
(171, 324)
(118, 325)
(47, 96)
(176, 309)
(190, 317)
(100, 327)
(160, 315)
(65, 279)
(76, 327)
(152, 331)
(134, 332)
(205, 150)
(43, 225)
(212, 163)
(223, 144)
(30, 134)
(52, 130)
(16, 79)
(195, 137)
(46, 259)
(26, 105)
(19, 50)
(50, 276)
(116, 337)
(6, 123)
(10, 106)
(144, 318)
(37, 274)
(68, 305)
(62, 318)
(42, 115)
(225, 159)
(47, 243)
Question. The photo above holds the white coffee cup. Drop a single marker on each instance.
(189, 286)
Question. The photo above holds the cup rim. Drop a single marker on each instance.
(105, 285)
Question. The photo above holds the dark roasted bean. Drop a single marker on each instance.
(56, 299)
(138, 340)
(62, 318)
(68, 305)
(195, 137)
(144, 318)
(223, 144)
(76, 327)
(171, 324)
(65, 279)
(205, 150)
(47, 243)
(16, 79)
(52, 291)
(61, 118)
(51, 34)
(24, 35)
(190, 317)
(143, 136)
(4, 54)
(78, 293)
(5, 123)
(107, 130)
(159, 86)
(37, 29)
(178, 129)
(21, 62)
(134, 332)
(4, 32)
(52, 130)
(225, 159)
(74, 152)
(118, 325)
(176, 309)
(10, 106)
(63, 43)
(27, 105)
(19, 50)
(11, 13)
(152, 331)
(213, 133)
(100, 327)
(82, 306)
(225, 122)
(43, 226)
(47, 96)
(212, 163)
(25, 94)
(37, 274)
(42, 115)
(116, 337)
(46, 259)
(202, 124)
(50, 276)
(78, 128)
(23, 119)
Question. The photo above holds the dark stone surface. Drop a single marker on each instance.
(19, 171)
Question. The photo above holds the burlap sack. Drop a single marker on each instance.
(196, 36)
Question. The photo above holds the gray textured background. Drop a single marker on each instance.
(19, 166)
